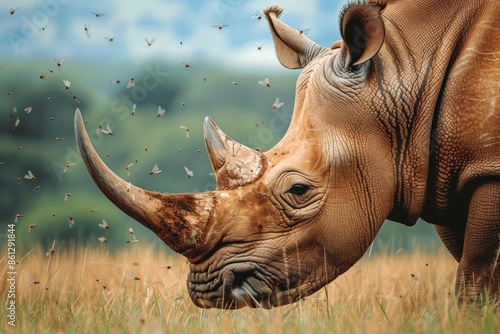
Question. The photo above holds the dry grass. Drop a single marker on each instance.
(92, 291)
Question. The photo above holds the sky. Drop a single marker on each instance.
(181, 29)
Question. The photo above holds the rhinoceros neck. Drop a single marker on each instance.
(422, 42)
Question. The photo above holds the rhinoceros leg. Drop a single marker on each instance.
(478, 270)
(452, 239)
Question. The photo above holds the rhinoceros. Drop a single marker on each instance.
(398, 120)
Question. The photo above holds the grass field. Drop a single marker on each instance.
(143, 290)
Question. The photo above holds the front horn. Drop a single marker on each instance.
(177, 219)
(234, 164)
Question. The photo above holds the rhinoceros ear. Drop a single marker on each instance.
(362, 31)
(293, 49)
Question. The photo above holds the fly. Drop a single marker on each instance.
(134, 239)
(257, 16)
(189, 173)
(131, 83)
(68, 165)
(30, 176)
(58, 62)
(67, 84)
(277, 104)
(219, 27)
(97, 15)
(155, 170)
(186, 129)
(104, 225)
(149, 42)
(160, 111)
(86, 29)
(265, 83)
(127, 168)
(107, 131)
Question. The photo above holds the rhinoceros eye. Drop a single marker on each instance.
(298, 189)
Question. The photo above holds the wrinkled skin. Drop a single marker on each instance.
(397, 120)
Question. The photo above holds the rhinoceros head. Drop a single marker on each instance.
(283, 223)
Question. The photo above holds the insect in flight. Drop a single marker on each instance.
(131, 83)
(115, 81)
(155, 170)
(30, 176)
(29, 109)
(67, 83)
(110, 39)
(68, 165)
(259, 46)
(42, 76)
(131, 275)
(149, 42)
(107, 131)
(186, 129)
(265, 83)
(189, 173)
(160, 112)
(97, 15)
(104, 225)
(31, 281)
(86, 29)
(71, 221)
(127, 168)
(277, 104)
(36, 188)
(102, 239)
(68, 195)
(133, 109)
(219, 27)
(32, 226)
(134, 239)
(12, 11)
(257, 16)
(303, 31)
(58, 62)
(18, 218)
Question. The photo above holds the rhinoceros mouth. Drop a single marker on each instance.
(244, 284)
(234, 286)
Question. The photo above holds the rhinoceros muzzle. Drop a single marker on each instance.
(233, 287)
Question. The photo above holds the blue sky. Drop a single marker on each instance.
(62, 34)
